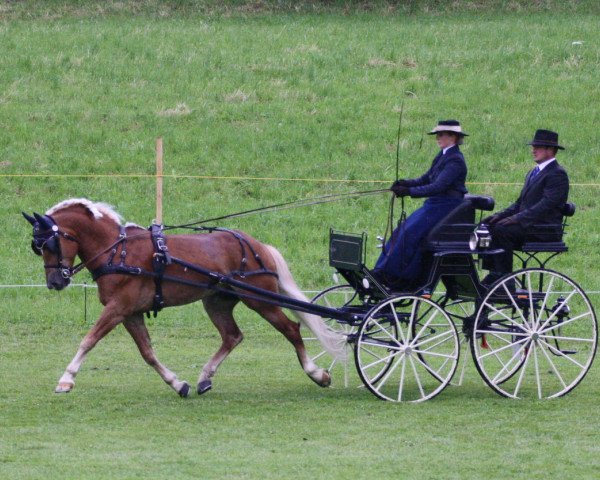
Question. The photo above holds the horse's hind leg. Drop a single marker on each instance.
(220, 311)
(291, 330)
(136, 327)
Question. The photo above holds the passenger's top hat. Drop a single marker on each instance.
(545, 138)
(452, 126)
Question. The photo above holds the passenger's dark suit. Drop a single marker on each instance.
(540, 203)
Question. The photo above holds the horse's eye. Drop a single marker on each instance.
(37, 250)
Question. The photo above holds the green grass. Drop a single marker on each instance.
(312, 98)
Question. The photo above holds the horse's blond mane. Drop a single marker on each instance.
(97, 209)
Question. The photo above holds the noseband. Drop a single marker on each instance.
(49, 239)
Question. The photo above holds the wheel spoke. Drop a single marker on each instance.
(417, 378)
(553, 366)
(566, 322)
(384, 380)
(515, 306)
(444, 336)
(373, 342)
(425, 325)
(384, 330)
(570, 339)
(502, 314)
(558, 309)
(434, 354)
(382, 359)
(561, 354)
(402, 372)
(504, 369)
(502, 332)
(546, 297)
(536, 366)
(522, 374)
(501, 349)
(530, 294)
(430, 370)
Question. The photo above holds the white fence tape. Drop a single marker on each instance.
(86, 285)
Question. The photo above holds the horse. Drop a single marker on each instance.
(94, 232)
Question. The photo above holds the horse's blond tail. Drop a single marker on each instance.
(333, 342)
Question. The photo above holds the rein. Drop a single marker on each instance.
(284, 206)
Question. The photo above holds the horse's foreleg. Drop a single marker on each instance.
(220, 311)
(291, 330)
(108, 320)
(136, 327)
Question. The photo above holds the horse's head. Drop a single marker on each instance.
(58, 249)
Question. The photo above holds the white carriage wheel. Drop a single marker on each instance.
(461, 311)
(332, 297)
(407, 349)
(540, 335)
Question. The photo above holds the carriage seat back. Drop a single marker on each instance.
(553, 234)
(454, 230)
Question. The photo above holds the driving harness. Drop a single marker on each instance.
(161, 258)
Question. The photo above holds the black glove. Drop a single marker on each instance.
(400, 183)
(400, 190)
(491, 219)
(507, 221)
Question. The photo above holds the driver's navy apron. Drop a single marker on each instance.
(400, 260)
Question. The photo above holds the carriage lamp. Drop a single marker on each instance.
(480, 238)
(561, 308)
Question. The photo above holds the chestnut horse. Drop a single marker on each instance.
(94, 232)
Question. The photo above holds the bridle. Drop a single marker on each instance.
(49, 239)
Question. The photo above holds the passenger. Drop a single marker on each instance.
(399, 265)
(544, 193)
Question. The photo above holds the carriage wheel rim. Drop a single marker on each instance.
(407, 357)
(539, 351)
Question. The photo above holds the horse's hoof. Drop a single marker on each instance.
(326, 379)
(63, 388)
(184, 390)
(204, 386)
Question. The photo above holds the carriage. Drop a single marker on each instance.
(533, 333)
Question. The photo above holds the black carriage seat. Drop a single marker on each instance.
(553, 242)
(455, 229)
(446, 252)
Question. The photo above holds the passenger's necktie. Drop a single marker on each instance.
(534, 174)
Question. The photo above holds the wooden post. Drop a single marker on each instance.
(159, 180)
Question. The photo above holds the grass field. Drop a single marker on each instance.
(260, 103)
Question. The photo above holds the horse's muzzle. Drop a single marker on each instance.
(57, 281)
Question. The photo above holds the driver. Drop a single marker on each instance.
(399, 265)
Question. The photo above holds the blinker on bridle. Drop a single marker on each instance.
(46, 235)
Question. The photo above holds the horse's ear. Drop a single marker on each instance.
(29, 218)
(43, 221)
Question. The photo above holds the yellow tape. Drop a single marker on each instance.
(213, 177)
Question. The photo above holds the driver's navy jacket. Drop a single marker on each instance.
(445, 178)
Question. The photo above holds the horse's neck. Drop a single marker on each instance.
(93, 235)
